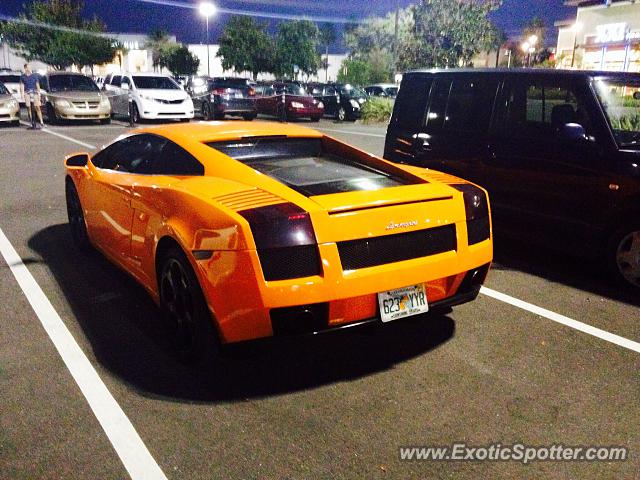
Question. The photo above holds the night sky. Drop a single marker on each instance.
(135, 16)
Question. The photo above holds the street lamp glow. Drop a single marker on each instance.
(207, 9)
(525, 47)
(533, 39)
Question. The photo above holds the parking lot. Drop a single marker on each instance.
(548, 354)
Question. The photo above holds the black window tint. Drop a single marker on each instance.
(469, 106)
(330, 91)
(408, 111)
(105, 156)
(438, 104)
(125, 80)
(116, 80)
(135, 154)
(175, 160)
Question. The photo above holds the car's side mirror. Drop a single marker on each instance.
(124, 86)
(572, 132)
(77, 160)
(636, 95)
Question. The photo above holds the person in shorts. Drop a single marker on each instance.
(30, 87)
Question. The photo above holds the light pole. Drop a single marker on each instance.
(576, 29)
(207, 9)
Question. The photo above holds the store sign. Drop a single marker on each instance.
(611, 32)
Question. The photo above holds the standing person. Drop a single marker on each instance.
(30, 87)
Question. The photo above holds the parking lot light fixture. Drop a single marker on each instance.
(207, 9)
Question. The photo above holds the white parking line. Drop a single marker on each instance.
(51, 132)
(569, 322)
(353, 132)
(123, 436)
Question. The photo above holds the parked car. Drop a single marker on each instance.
(73, 96)
(154, 96)
(559, 151)
(9, 106)
(297, 102)
(244, 230)
(99, 81)
(11, 81)
(387, 90)
(341, 101)
(216, 97)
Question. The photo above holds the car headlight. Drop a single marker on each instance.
(144, 97)
(320, 105)
(297, 105)
(354, 104)
(62, 103)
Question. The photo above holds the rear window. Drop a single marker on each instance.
(304, 165)
(229, 83)
(408, 111)
(10, 78)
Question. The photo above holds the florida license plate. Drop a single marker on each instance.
(403, 302)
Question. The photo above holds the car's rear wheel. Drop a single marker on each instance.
(187, 317)
(76, 216)
(249, 117)
(218, 116)
(315, 119)
(624, 254)
(206, 111)
(341, 114)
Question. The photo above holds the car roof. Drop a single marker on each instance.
(526, 71)
(211, 131)
(144, 74)
(75, 74)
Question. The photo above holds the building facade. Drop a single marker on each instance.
(605, 35)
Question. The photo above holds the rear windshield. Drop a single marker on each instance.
(156, 83)
(66, 83)
(10, 78)
(229, 83)
(301, 164)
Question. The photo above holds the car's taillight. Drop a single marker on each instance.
(219, 91)
(476, 208)
(285, 241)
(251, 92)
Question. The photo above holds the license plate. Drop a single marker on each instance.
(403, 302)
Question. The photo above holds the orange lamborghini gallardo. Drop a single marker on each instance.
(245, 230)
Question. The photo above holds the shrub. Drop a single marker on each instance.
(377, 109)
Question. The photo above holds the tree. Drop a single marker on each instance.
(245, 46)
(354, 71)
(179, 60)
(538, 28)
(296, 46)
(54, 32)
(327, 37)
(157, 42)
(447, 34)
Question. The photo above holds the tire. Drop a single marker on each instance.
(52, 117)
(75, 214)
(341, 114)
(185, 312)
(206, 111)
(185, 120)
(249, 117)
(623, 255)
(218, 116)
(105, 121)
(315, 119)
(15, 123)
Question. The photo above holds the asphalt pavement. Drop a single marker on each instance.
(336, 406)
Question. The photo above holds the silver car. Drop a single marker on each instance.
(9, 106)
(73, 96)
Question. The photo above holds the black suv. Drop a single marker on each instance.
(341, 101)
(558, 151)
(220, 96)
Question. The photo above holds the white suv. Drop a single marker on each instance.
(154, 96)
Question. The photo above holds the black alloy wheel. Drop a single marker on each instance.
(76, 216)
(624, 254)
(341, 114)
(187, 318)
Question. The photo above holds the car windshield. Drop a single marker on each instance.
(3, 90)
(10, 78)
(620, 99)
(154, 83)
(66, 83)
(351, 91)
(391, 91)
(293, 89)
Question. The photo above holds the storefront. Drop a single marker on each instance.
(605, 35)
